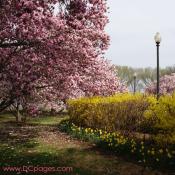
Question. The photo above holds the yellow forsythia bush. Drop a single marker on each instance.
(124, 112)
(118, 112)
(163, 112)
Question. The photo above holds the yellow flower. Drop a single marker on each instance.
(157, 160)
(152, 152)
(169, 155)
(121, 137)
(161, 151)
(109, 144)
(117, 134)
(133, 145)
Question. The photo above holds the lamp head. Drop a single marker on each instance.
(135, 74)
(157, 38)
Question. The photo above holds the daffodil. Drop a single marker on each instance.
(169, 155)
(152, 152)
(157, 159)
(161, 151)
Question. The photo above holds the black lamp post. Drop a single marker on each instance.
(158, 39)
(135, 76)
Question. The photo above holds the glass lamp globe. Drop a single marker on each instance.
(157, 38)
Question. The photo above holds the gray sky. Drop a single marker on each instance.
(133, 24)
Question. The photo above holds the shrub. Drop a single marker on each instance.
(164, 112)
(119, 112)
(126, 112)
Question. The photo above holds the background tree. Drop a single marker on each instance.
(145, 76)
(167, 85)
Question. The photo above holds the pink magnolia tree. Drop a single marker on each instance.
(167, 85)
(52, 50)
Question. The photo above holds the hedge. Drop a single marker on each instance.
(125, 112)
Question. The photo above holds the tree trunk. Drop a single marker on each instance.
(18, 116)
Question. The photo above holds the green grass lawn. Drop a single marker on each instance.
(8, 119)
(40, 143)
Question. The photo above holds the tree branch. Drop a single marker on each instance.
(17, 44)
(5, 104)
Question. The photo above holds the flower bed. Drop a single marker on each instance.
(141, 150)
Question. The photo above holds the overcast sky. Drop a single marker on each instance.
(133, 24)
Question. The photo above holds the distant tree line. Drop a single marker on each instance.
(144, 76)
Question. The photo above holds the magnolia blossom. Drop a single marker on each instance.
(52, 50)
(167, 85)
